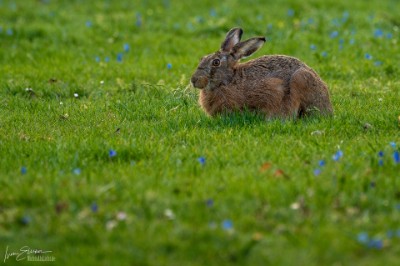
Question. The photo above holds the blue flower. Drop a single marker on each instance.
(112, 153)
(393, 144)
(201, 160)
(337, 155)
(25, 220)
(107, 59)
(119, 57)
(334, 34)
(352, 41)
(378, 33)
(313, 47)
(169, 65)
(209, 202)
(94, 207)
(213, 13)
(363, 238)
(138, 20)
(10, 32)
(310, 21)
(375, 243)
(24, 170)
(368, 56)
(290, 12)
(396, 157)
(321, 163)
(97, 58)
(380, 153)
(389, 35)
(227, 225)
(126, 47)
(317, 171)
(378, 63)
(380, 162)
(324, 54)
(77, 171)
(88, 24)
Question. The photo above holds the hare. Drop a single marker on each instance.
(278, 86)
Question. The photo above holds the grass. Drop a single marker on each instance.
(183, 188)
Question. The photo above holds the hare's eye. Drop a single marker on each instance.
(216, 62)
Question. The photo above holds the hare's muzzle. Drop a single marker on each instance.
(199, 82)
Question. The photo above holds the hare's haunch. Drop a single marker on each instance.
(276, 85)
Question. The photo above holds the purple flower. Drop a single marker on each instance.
(396, 157)
(112, 153)
(23, 170)
(227, 225)
(94, 207)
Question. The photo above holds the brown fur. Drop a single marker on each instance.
(276, 85)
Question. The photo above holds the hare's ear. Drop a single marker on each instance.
(231, 39)
(248, 47)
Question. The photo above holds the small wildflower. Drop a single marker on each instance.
(94, 207)
(389, 35)
(110, 225)
(396, 157)
(121, 216)
(107, 59)
(169, 65)
(380, 162)
(334, 34)
(77, 171)
(61, 103)
(119, 57)
(337, 155)
(380, 154)
(392, 144)
(368, 56)
(375, 243)
(23, 170)
(112, 153)
(88, 24)
(227, 225)
(324, 54)
(169, 214)
(213, 13)
(363, 238)
(202, 160)
(25, 220)
(10, 32)
(378, 33)
(97, 58)
(76, 95)
(317, 172)
(378, 63)
(313, 47)
(290, 12)
(352, 41)
(102, 82)
(126, 47)
(209, 202)
(321, 163)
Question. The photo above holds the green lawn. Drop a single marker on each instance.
(107, 159)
